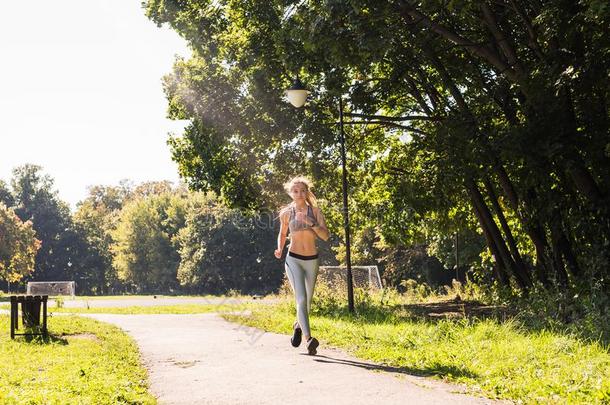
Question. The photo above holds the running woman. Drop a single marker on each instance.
(306, 224)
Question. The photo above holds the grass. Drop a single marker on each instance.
(83, 362)
(497, 359)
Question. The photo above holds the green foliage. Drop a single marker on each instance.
(466, 97)
(6, 197)
(95, 220)
(144, 250)
(580, 311)
(126, 238)
(402, 263)
(224, 249)
(18, 246)
(35, 200)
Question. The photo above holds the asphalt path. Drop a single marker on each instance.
(149, 301)
(203, 359)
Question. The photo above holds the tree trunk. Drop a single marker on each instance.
(563, 245)
(501, 39)
(584, 182)
(568, 255)
(522, 278)
(499, 268)
(562, 275)
(533, 228)
(512, 244)
(571, 160)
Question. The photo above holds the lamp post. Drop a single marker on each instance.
(297, 95)
(457, 257)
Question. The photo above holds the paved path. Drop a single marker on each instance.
(203, 359)
(150, 301)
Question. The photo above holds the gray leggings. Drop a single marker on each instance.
(302, 276)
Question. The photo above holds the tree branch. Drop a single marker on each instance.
(482, 51)
(418, 96)
(503, 42)
(387, 124)
(387, 118)
(530, 30)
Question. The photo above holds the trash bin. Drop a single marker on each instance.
(30, 311)
(30, 314)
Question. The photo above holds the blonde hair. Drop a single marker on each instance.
(311, 198)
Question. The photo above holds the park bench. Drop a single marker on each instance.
(37, 296)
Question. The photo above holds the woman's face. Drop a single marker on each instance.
(298, 191)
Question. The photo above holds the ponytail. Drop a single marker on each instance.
(311, 199)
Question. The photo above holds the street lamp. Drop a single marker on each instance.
(297, 95)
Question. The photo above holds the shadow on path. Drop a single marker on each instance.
(440, 370)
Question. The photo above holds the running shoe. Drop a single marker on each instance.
(312, 345)
(296, 335)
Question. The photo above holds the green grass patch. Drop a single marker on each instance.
(496, 359)
(84, 362)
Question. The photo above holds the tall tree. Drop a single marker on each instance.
(18, 246)
(144, 249)
(6, 197)
(35, 200)
(95, 219)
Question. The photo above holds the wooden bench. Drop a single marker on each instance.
(30, 312)
(38, 293)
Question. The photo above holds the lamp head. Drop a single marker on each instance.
(297, 93)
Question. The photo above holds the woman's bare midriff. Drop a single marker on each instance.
(303, 243)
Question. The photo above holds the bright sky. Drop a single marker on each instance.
(81, 94)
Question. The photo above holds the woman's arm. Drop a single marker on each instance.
(319, 228)
(281, 237)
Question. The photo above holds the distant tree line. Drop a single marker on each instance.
(150, 238)
(159, 238)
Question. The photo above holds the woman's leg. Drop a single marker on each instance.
(296, 276)
(311, 274)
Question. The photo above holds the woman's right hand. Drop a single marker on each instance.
(278, 253)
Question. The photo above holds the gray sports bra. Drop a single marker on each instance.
(294, 225)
